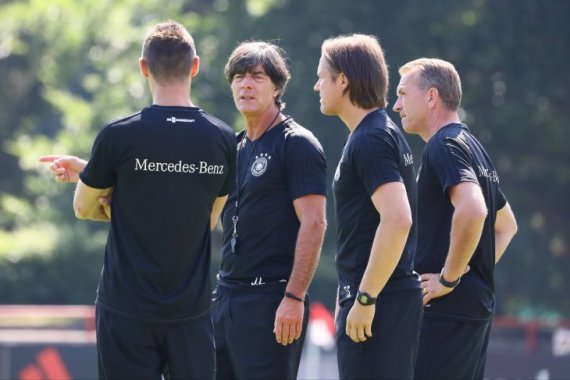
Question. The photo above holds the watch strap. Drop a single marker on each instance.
(448, 284)
(365, 299)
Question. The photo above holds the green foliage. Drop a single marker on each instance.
(70, 66)
(69, 276)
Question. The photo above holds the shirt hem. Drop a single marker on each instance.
(152, 320)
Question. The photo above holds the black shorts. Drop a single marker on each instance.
(391, 351)
(451, 349)
(128, 348)
(246, 348)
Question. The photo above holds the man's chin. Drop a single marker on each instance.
(327, 112)
(408, 129)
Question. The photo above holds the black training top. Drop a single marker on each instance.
(450, 157)
(285, 163)
(166, 165)
(376, 153)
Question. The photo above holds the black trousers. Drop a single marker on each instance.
(391, 351)
(128, 348)
(245, 344)
(451, 349)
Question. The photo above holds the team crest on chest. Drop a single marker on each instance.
(259, 166)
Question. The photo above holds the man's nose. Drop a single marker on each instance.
(396, 107)
(246, 81)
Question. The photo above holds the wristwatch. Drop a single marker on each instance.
(365, 299)
(448, 284)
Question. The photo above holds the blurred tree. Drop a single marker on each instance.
(70, 65)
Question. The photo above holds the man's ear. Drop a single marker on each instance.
(195, 66)
(143, 66)
(432, 97)
(344, 82)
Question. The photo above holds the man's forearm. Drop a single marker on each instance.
(466, 229)
(502, 241)
(505, 230)
(307, 252)
(86, 202)
(386, 251)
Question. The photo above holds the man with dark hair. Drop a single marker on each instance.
(169, 167)
(464, 226)
(379, 306)
(274, 224)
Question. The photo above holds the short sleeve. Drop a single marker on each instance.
(305, 164)
(100, 170)
(502, 200)
(450, 161)
(230, 180)
(375, 159)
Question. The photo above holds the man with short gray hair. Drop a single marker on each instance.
(464, 224)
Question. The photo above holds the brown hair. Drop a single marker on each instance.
(361, 59)
(247, 55)
(169, 51)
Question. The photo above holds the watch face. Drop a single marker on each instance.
(365, 299)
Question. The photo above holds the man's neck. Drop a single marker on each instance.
(172, 96)
(351, 116)
(437, 121)
(256, 126)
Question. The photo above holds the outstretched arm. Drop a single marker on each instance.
(65, 168)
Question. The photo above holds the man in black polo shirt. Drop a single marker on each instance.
(464, 224)
(274, 223)
(169, 167)
(379, 303)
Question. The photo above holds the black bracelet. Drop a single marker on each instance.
(292, 296)
(448, 284)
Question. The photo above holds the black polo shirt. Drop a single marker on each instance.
(166, 165)
(376, 153)
(285, 163)
(450, 157)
